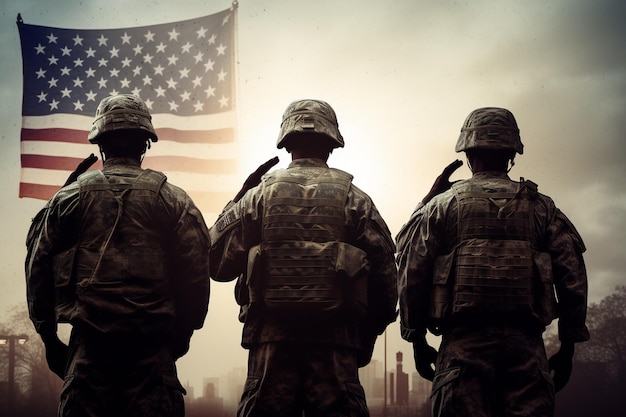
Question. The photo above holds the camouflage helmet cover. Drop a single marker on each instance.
(314, 116)
(121, 112)
(490, 128)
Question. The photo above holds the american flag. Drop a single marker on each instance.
(184, 71)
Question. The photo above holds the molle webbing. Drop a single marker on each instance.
(494, 264)
(303, 220)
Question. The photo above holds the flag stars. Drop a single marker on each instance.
(172, 60)
(102, 83)
(226, 19)
(78, 40)
(42, 96)
(66, 51)
(90, 72)
(210, 91)
(173, 105)
(125, 83)
(52, 82)
(171, 83)
(102, 41)
(78, 62)
(148, 58)
(91, 96)
(138, 49)
(114, 72)
(41, 73)
(126, 38)
(212, 39)
(53, 60)
(208, 66)
(137, 71)
(103, 62)
(161, 47)
(201, 32)
(78, 82)
(52, 38)
(54, 105)
(173, 34)
(149, 36)
(66, 92)
(147, 80)
(221, 76)
(158, 70)
(223, 101)
(65, 71)
(40, 49)
(78, 106)
(197, 82)
(221, 50)
(198, 106)
(126, 62)
(160, 91)
(186, 47)
(135, 91)
(114, 52)
(91, 53)
(198, 57)
(184, 73)
(149, 103)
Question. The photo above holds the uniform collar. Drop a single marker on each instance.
(308, 162)
(490, 174)
(121, 161)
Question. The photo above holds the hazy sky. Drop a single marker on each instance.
(402, 76)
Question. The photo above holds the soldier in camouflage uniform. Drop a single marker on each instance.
(123, 257)
(480, 264)
(316, 276)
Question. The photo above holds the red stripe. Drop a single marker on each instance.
(216, 136)
(61, 163)
(159, 163)
(55, 135)
(40, 191)
(208, 202)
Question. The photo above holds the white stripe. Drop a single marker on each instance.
(191, 150)
(189, 182)
(76, 122)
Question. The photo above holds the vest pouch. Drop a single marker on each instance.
(353, 269)
(545, 299)
(64, 284)
(441, 294)
(300, 280)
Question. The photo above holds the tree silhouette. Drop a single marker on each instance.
(36, 387)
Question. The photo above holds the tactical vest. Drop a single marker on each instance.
(117, 267)
(306, 267)
(492, 267)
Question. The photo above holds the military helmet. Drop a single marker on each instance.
(490, 128)
(313, 116)
(121, 112)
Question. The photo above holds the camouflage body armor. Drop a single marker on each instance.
(496, 268)
(114, 234)
(307, 270)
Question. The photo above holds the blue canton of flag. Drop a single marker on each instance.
(184, 71)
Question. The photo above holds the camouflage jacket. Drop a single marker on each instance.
(432, 232)
(238, 229)
(135, 262)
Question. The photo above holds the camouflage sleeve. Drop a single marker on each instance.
(419, 241)
(566, 248)
(234, 232)
(45, 239)
(189, 248)
(373, 237)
